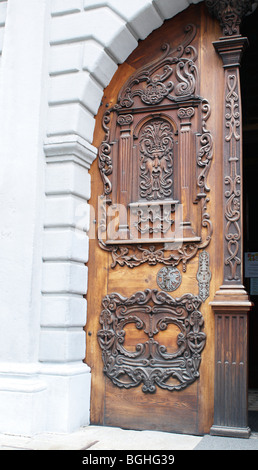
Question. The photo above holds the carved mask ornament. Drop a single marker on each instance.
(229, 13)
(156, 160)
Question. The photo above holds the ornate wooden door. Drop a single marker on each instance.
(157, 232)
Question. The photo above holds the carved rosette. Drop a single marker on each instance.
(151, 364)
(169, 278)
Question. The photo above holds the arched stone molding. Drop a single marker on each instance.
(87, 44)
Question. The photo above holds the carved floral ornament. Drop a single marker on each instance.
(149, 135)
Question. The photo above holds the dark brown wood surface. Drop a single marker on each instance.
(189, 410)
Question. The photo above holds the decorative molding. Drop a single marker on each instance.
(231, 51)
(156, 160)
(231, 371)
(154, 218)
(229, 13)
(152, 119)
(151, 364)
(204, 158)
(69, 147)
(125, 119)
(233, 181)
(185, 113)
(131, 256)
(231, 303)
(204, 275)
(104, 159)
(179, 62)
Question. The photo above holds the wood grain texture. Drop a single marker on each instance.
(189, 410)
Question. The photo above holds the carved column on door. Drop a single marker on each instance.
(125, 143)
(185, 138)
(231, 50)
(231, 303)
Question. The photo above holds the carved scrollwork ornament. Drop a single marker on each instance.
(152, 88)
(229, 13)
(151, 364)
(204, 275)
(179, 62)
(185, 112)
(126, 119)
(233, 181)
(152, 144)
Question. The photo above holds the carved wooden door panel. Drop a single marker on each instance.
(157, 232)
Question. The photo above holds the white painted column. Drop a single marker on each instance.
(22, 117)
(64, 283)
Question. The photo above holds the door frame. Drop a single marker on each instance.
(231, 303)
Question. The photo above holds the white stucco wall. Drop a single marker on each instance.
(57, 57)
(3, 9)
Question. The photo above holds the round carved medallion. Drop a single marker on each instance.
(169, 278)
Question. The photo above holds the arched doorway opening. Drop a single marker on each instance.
(249, 78)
